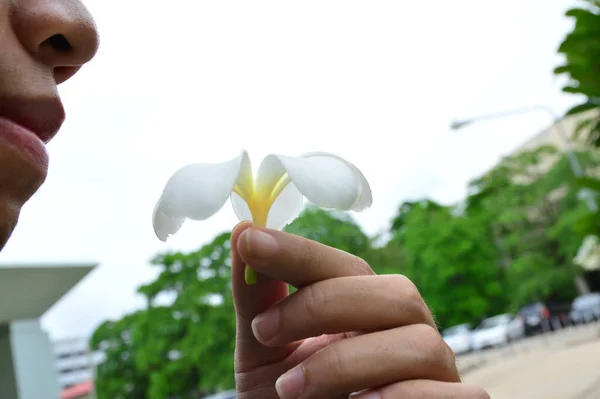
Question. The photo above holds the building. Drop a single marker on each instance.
(27, 362)
(75, 366)
(561, 135)
(74, 362)
(554, 134)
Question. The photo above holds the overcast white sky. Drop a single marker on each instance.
(376, 82)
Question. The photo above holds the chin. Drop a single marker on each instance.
(9, 215)
(19, 180)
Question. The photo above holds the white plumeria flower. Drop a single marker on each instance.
(272, 199)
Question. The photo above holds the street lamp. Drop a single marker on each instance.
(562, 131)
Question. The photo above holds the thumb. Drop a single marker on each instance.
(250, 301)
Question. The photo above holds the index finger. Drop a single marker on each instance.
(296, 260)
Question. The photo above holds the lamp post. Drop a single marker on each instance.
(560, 128)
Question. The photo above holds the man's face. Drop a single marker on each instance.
(42, 44)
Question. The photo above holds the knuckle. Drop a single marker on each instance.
(325, 370)
(410, 299)
(440, 354)
(432, 340)
(401, 283)
(310, 256)
(361, 266)
(412, 292)
(429, 337)
(451, 354)
(478, 393)
(335, 360)
(314, 299)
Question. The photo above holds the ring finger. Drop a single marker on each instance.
(371, 360)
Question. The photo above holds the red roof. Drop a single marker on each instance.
(77, 391)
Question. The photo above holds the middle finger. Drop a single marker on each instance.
(359, 303)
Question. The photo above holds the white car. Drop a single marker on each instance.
(458, 338)
(498, 330)
(223, 395)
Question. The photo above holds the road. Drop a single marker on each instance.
(560, 365)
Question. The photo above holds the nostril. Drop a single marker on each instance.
(59, 43)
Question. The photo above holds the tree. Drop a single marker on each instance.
(451, 259)
(339, 230)
(581, 49)
(336, 229)
(529, 203)
(183, 349)
(117, 376)
(588, 223)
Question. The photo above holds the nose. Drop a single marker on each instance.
(60, 34)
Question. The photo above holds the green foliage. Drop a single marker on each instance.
(184, 348)
(118, 377)
(581, 49)
(588, 222)
(336, 229)
(339, 230)
(452, 261)
(531, 212)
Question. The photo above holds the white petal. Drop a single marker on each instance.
(197, 192)
(324, 179)
(165, 226)
(286, 207)
(366, 197)
(240, 207)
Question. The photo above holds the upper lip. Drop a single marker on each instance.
(43, 116)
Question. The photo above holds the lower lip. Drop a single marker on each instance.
(25, 140)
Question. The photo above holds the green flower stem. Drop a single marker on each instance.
(250, 275)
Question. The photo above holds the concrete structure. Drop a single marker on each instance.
(27, 362)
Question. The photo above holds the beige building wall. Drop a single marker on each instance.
(554, 135)
(561, 136)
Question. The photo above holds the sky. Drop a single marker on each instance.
(377, 83)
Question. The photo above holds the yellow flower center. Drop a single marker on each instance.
(260, 202)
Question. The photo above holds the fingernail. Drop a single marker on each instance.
(366, 395)
(291, 384)
(260, 244)
(265, 325)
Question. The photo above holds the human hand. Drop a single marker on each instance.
(345, 330)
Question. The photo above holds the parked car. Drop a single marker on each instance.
(223, 395)
(498, 330)
(458, 338)
(544, 316)
(586, 308)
